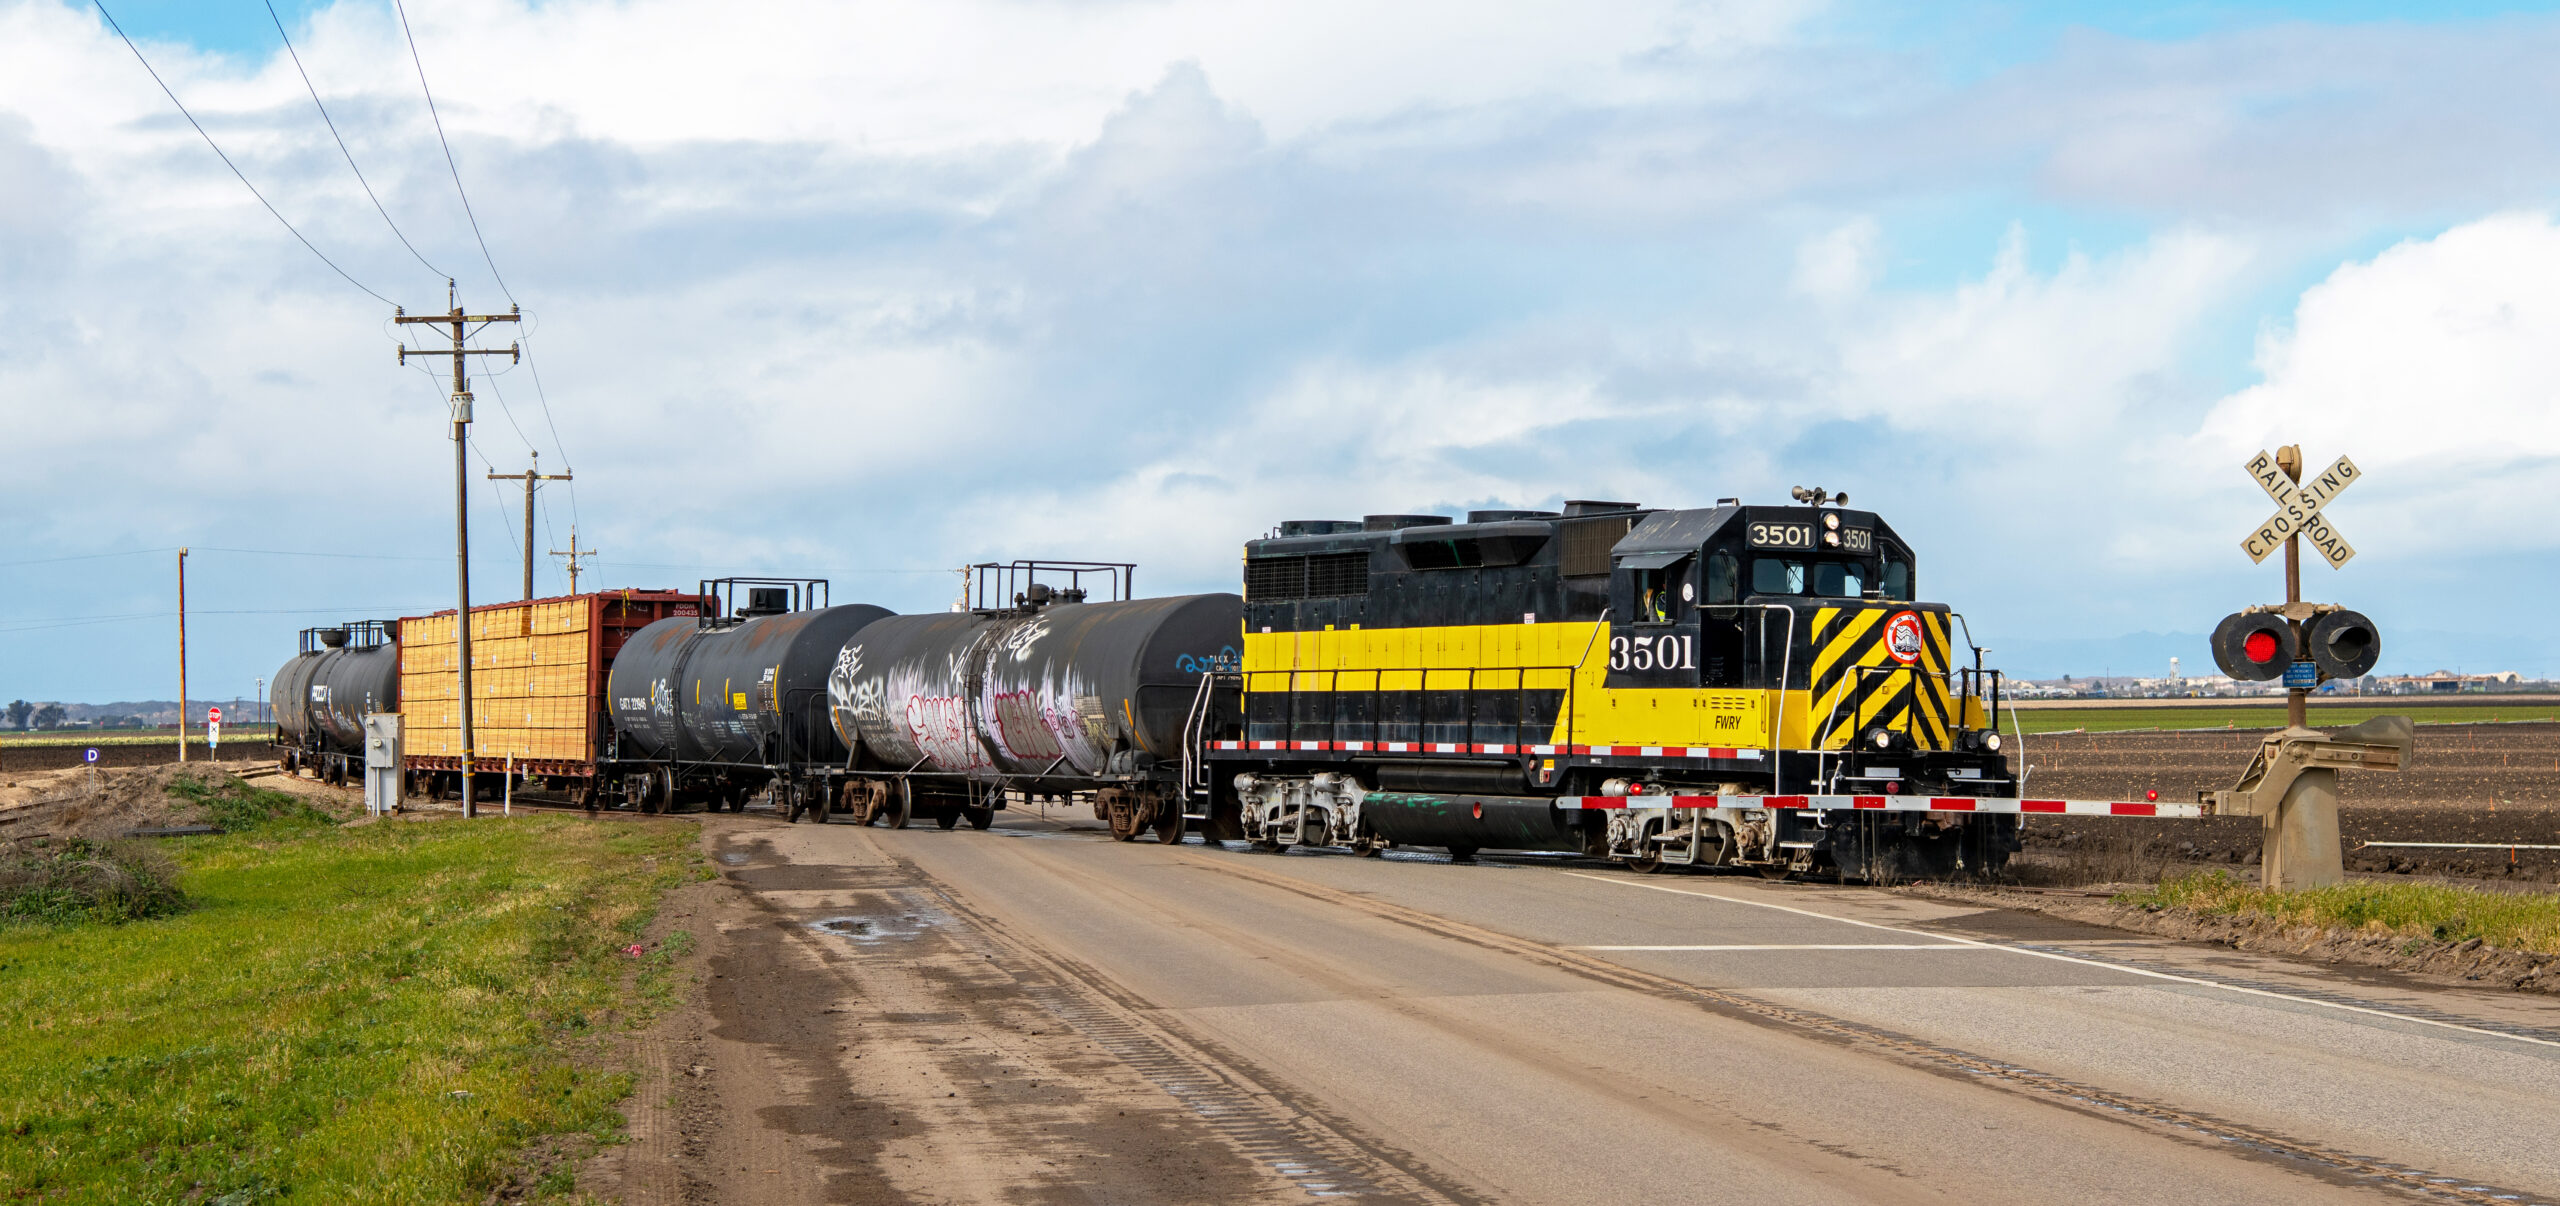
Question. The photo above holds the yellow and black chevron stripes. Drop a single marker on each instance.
(1857, 684)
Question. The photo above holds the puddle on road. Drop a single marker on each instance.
(735, 858)
(870, 928)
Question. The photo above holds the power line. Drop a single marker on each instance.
(449, 164)
(226, 159)
(342, 144)
(526, 342)
(205, 548)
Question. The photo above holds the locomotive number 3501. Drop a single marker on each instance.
(1781, 535)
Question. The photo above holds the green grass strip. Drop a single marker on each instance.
(2265, 716)
(2518, 921)
(384, 1013)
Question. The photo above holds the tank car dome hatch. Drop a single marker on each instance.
(1585, 506)
(765, 601)
(1318, 527)
(1506, 516)
(335, 638)
(1390, 523)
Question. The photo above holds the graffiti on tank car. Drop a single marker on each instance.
(939, 726)
(1025, 727)
(1224, 661)
(1019, 641)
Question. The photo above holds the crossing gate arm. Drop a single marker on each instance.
(1981, 804)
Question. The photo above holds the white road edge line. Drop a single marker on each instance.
(1797, 946)
(1951, 939)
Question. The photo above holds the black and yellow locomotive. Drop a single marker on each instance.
(1536, 680)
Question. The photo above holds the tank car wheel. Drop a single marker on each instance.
(662, 791)
(1169, 825)
(1371, 847)
(902, 805)
(1774, 871)
(946, 818)
(1645, 864)
(822, 803)
(1462, 854)
(981, 818)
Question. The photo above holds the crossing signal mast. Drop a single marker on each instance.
(2293, 782)
(462, 324)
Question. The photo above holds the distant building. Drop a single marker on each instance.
(2446, 682)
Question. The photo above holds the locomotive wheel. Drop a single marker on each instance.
(980, 818)
(902, 805)
(1169, 825)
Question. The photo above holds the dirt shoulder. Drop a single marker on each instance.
(2451, 964)
(98, 805)
(846, 1033)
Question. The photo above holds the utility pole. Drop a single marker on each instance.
(529, 477)
(573, 555)
(460, 322)
(182, 655)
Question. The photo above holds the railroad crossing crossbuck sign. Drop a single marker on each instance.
(2298, 509)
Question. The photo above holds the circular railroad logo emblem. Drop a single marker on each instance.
(1902, 637)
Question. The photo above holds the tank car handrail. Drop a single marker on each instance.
(1194, 770)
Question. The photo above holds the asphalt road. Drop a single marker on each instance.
(1227, 1025)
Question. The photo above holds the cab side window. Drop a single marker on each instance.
(1897, 580)
(1658, 598)
(1724, 579)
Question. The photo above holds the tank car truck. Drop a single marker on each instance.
(1744, 686)
(709, 709)
(322, 695)
(1039, 689)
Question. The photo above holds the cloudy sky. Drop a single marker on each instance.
(869, 290)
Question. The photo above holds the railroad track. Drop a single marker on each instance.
(2185, 1125)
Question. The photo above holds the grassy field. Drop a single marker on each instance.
(2519, 921)
(2256, 715)
(377, 1013)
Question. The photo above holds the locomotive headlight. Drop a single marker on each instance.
(1880, 738)
(1991, 743)
(1832, 539)
(1831, 520)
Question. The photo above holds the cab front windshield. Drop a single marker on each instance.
(1822, 579)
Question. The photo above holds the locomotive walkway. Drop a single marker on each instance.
(1036, 1013)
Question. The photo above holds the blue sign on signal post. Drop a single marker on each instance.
(93, 754)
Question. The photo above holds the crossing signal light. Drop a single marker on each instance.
(2344, 644)
(2255, 647)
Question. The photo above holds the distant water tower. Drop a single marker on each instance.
(2174, 676)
